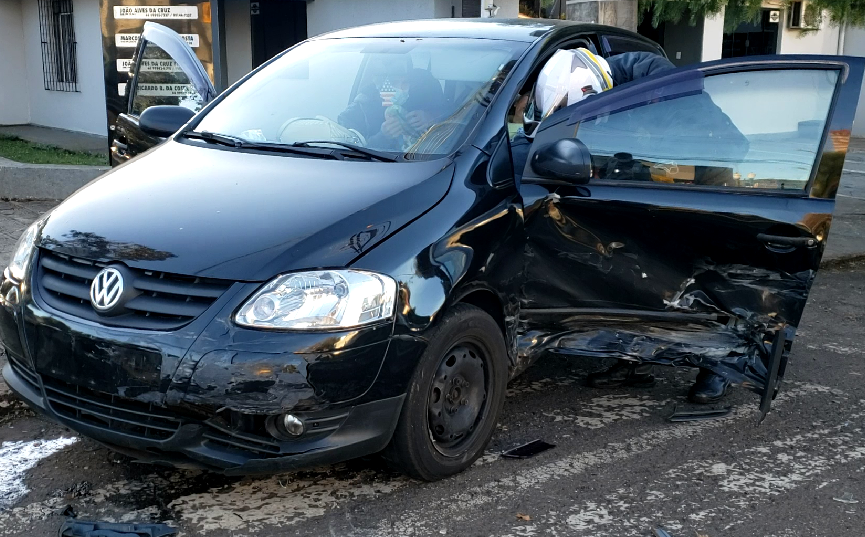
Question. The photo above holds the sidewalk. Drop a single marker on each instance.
(49, 181)
(73, 141)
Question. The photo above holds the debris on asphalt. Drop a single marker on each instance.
(69, 512)
(82, 528)
(660, 532)
(699, 415)
(528, 450)
(847, 497)
(521, 516)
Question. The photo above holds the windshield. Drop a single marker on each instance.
(417, 97)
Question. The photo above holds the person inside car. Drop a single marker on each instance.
(571, 76)
(365, 113)
(418, 103)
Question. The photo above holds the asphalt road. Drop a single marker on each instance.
(618, 468)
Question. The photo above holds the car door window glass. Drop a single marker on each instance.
(753, 129)
(161, 81)
(619, 45)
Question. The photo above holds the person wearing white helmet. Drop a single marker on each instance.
(567, 78)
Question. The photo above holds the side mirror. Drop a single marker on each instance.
(164, 120)
(566, 160)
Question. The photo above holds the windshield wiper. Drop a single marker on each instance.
(223, 139)
(233, 141)
(378, 155)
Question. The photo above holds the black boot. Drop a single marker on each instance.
(623, 374)
(708, 388)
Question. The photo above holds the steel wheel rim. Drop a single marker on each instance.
(457, 400)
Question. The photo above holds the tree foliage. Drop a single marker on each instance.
(851, 12)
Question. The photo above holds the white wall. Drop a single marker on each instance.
(713, 37)
(854, 45)
(14, 104)
(508, 9)
(238, 39)
(83, 110)
(442, 9)
(328, 15)
(822, 41)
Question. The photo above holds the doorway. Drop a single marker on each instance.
(275, 26)
(753, 39)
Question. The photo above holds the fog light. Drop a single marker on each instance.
(292, 425)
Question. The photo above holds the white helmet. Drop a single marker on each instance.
(567, 78)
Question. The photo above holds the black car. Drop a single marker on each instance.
(278, 286)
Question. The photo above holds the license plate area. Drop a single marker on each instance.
(102, 365)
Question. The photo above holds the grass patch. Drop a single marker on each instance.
(19, 150)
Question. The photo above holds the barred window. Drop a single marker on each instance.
(59, 62)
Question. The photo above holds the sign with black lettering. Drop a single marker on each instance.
(131, 40)
(149, 66)
(155, 12)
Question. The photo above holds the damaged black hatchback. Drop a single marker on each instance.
(337, 256)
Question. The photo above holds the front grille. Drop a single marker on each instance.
(112, 412)
(226, 438)
(29, 377)
(165, 301)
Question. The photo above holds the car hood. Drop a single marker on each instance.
(214, 213)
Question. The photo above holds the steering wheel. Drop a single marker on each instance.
(301, 129)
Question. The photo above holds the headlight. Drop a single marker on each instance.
(320, 300)
(23, 252)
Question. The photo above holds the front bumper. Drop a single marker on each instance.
(159, 436)
(200, 396)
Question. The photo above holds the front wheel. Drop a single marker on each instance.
(454, 399)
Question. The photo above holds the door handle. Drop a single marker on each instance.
(794, 242)
(119, 149)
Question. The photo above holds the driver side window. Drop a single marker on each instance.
(726, 130)
(162, 81)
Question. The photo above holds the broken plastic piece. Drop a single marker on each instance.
(661, 532)
(83, 528)
(847, 497)
(528, 450)
(697, 415)
(776, 356)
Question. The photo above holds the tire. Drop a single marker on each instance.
(448, 418)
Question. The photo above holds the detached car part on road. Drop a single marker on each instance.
(281, 285)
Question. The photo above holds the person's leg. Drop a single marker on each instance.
(623, 373)
(708, 388)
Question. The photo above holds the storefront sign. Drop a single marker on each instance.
(155, 12)
(131, 40)
(149, 66)
(122, 23)
(165, 90)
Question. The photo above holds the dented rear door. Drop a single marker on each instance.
(699, 235)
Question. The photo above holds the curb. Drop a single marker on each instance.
(44, 181)
(842, 261)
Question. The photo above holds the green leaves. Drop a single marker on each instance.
(737, 11)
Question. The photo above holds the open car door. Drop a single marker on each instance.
(701, 223)
(165, 71)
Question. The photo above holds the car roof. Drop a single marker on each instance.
(525, 30)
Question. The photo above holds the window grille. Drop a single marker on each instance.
(59, 61)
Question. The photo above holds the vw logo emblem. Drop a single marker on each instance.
(106, 289)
